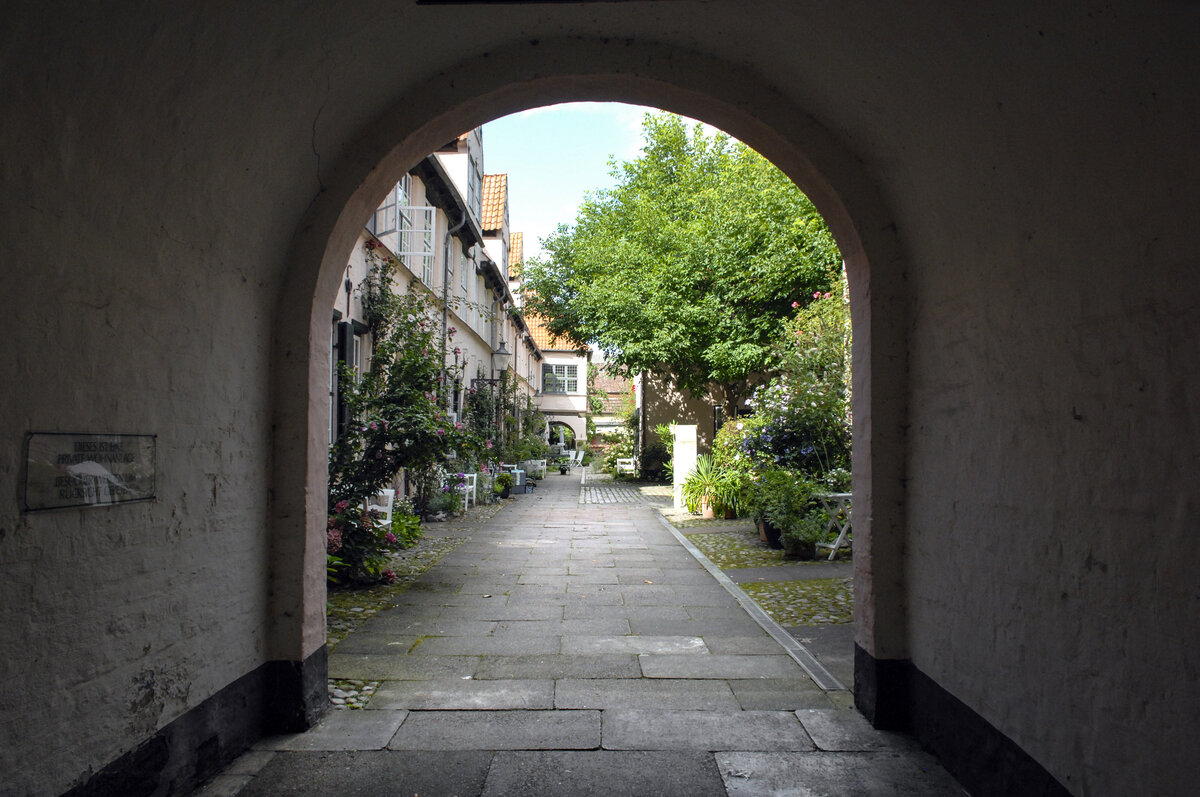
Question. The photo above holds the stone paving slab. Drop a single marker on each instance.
(511, 644)
(632, 613)
(560, 667)
(774, 694)
(367, 667)
(595, 645)
(849, 731)
(444, 773)
(615, 626)
(464, 694)
(667, 694)
(410, 625)
(654, 729)
(502, 612)
(731, 627)
(721, 666)
(757, 645)
(603, 773)
(753, 774)
(498, 730)
(342, 730)
(379, 642)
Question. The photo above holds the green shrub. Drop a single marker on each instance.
(448, 501)
(806, 532)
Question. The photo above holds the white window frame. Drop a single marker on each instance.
(390, 215)
(560, 378)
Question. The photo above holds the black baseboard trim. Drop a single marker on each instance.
(895, 695)
(279, 696)
(296, 694)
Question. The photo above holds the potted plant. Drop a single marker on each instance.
(787, 503)
(704, 489)
(762, 501)
(503, 485)
(800, 540)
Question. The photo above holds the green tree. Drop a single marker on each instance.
(689, 266)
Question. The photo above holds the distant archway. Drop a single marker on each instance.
(541, 73)
(561, 434)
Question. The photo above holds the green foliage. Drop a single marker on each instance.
(448, 501)
(406, 526)
(397, 417)
(509, 423)
(358, 545)
(786, 500)
(655, 458)
(502, 482)
(806, 531)
(804, 412)
(689, 265)
(709, 485)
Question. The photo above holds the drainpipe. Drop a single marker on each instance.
(447, 281)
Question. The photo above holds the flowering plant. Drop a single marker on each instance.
(359, 544)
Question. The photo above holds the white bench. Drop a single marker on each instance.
(626, 466)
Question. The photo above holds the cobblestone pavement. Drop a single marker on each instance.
(578, 649)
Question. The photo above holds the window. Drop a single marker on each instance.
(465, 264)
(559, 379)
(475, 185)
(392, 213)
(415, 243)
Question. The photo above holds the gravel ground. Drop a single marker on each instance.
(733, 544)
(346, 609)
(822, 601)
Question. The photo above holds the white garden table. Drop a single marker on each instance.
(838, 507)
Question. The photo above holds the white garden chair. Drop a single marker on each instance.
(383, 503)
(626, 466)
(468, 489)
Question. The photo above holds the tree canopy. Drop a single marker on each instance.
(689, 266)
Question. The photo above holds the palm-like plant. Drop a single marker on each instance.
(707, 489)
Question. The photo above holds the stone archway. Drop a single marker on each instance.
(547, 72)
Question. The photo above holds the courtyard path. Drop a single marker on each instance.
(575, 645)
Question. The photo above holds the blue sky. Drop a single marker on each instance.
(554, 155)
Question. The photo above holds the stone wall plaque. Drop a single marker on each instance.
(67, 470)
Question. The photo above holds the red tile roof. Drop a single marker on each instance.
(516, 253)
(495, 199)
(542, 337)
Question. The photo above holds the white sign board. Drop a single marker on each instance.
(66, 470)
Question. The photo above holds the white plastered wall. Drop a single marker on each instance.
(175, 222)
